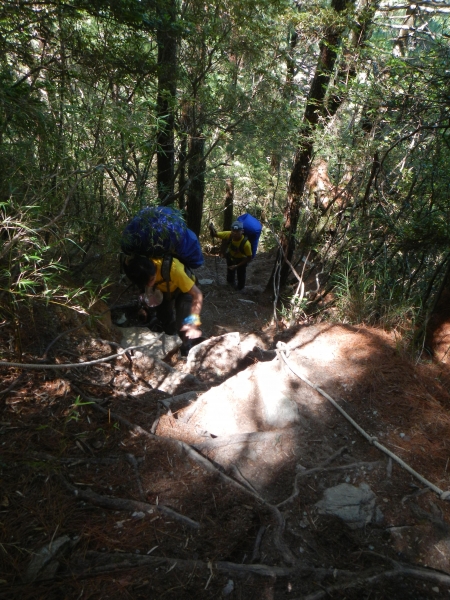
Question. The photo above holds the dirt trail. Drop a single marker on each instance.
(222, 492)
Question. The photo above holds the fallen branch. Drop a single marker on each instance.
(111, 460)
(127, 505)
(183, 399)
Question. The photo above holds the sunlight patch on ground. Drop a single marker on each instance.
(254, 400)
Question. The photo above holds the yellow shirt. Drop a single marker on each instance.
(178, 277)
(233, 248)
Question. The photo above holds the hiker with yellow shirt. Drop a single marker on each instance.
(170, 288)
(238, 253)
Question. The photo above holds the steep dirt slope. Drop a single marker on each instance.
(113, 488)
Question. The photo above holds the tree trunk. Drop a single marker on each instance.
(196, 190)
(182, 174)
(167, 87)
(302, 159)
(228, 210)
(183, 132)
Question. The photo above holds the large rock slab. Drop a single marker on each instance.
(215, 358)
(256, 399)
(140, 336)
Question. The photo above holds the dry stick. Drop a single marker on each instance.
(276, 289)
(156, 421)
(128, 505)
(209, 468)
(73, 462)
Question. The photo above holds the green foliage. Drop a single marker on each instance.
(294, 310)
(79, 126)
(75, 412)
(367, 294)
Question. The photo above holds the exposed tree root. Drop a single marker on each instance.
(203, 462)
(359, 580)
(95, 563)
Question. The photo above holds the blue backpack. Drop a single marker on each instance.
(159, 230)
(252, 230)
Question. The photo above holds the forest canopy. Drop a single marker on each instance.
(328, 120)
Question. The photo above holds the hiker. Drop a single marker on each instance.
(170, 288)
(238, 253)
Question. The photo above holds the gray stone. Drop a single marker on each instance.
(162, 376)
(215, 357)
(354, 505)
(140, 336)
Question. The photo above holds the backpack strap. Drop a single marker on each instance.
(166, 266)
(241, 245)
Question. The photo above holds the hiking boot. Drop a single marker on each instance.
(185, 347)
(189, 344)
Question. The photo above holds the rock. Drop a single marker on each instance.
(228, 588)
(252, 290)
(215, 357)
(256, 399)
(162, 376)
(139, 336)
(205, 281)
(221, 330)
(180, 401)
(354, 505)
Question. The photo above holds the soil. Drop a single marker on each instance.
(106, 493)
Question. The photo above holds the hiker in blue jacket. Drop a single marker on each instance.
(238, 253)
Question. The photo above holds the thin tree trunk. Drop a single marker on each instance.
(314, 110)
(167, 87)
(228, 211)
(196, 190)
(183, 130)
(229, 200)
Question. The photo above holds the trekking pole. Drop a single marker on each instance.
(211, 231)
